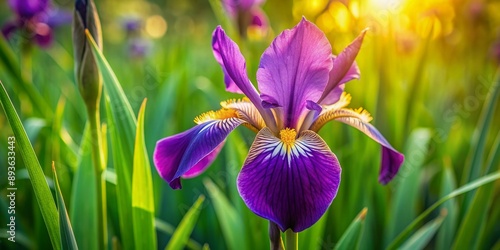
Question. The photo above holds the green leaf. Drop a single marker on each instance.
(68, 240)
(464, 189)
(312, 237)
(404, 204)
(447, 231)
(181, 235)
(122, 125)
(41, 189)
(142, 191)
(479, 139)
(166, 228)
(352, 236)
(84, 186)
(474, 222)
(422, 237)
(230, 221)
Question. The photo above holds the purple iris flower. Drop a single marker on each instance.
(290, 175)
(37, 19)
(247, 14)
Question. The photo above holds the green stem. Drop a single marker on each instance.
(292, 240)
(98, 162)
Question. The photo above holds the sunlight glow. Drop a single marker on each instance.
(386, 4)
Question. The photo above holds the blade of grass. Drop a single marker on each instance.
(142, 191)
(230, 221)
(122, 125)
(68, 240)
(84, 186)
(474, 222)
(42, 192)
(447, 231)
(352, 236)
(166, 228)
(424, 235)
(181, 235)
(404, 204)
(479, 139)
(462, 190)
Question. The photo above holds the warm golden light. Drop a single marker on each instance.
(156, 26)
(386, 4)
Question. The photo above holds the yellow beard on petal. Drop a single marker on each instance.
(288, 136)
(220, 114)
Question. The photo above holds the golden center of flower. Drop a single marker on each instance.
(287, 136)
(220, 114)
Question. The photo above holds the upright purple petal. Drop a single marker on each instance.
(291, 185)
(177, 155)
(228, 55)
(344, 69)
(295, 69)
(334, 95)
(258, 19)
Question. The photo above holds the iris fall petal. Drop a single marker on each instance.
(176, 155)
(290, 184)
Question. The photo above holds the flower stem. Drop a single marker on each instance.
(292, 240)
(98, 162)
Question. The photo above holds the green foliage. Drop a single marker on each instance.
(181, 235)
(42, 192)
(142, 191)
(68, 240)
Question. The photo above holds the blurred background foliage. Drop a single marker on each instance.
(427, 77)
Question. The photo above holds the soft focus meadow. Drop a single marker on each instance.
(429, 78)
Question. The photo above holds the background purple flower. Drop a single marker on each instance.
(36, 19)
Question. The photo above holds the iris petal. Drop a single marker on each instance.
(177, 155)
(245, 110)
(391, 158)
(291, 185)
(334, 95)
(228, 55)
(344, 69)
(295, 69)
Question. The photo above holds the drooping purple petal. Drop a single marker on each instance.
(295, 69)
(176, 155)
(391, 158)
(228, 55)
(336, 92)
(291, 186)
(28, 8)
(344, 69)
(204, 163)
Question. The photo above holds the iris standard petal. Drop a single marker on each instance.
(228, 55)
(344, 69)
(290, 183)
(334, 95)
(176, 155)
(391, 158)
(295, 69)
